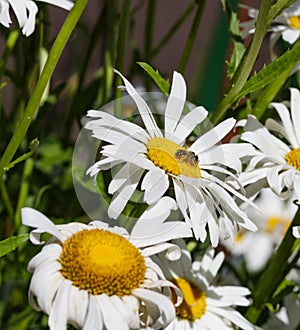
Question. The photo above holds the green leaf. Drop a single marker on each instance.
(162, 83)
(238, 44)
(103, 179)
(12, 243)
(284, 63)
(33, 145)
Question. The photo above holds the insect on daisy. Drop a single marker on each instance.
(159, 161)
(97, 277)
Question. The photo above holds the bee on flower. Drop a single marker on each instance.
(157, 160)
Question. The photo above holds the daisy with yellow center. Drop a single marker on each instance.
(97, 277)
(157, 160)
(286, 25)
(26, 11)
(205, 305)
(272, 220)
(277, 161)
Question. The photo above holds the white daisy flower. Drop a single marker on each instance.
(205, 306)
(159, 161)
(272, 221)
(25, 11)
(277, 162)
(97, 277)
(287, 24)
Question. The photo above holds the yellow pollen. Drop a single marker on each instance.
(295, 22)
(293, 158)
(173, 158)
(194, 300)
(239, 236)
(274, 223)
(99, 261)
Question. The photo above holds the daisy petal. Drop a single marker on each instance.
(189, 122)
(143, 108)
(213, 136)
(295, 112)
(34, 218)
(58, 317)
(155, 184)
(175, 104)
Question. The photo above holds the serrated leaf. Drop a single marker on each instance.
(269, 73)
(238, 44)
(12, 243)
(162, 83)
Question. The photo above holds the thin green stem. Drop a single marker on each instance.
(245, 67)
(192, 36)
(6, 199)
(275, 272)
(9, 47)
(148, 39)
(78, 91)
(109, 51)
(164, 40)
(149, 27)
(46, 74)
(124, 19)
(28, 168)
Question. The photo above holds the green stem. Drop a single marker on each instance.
(275, 272)
(244, 69)
(109, 52)
(77, 95)
(268, 94)
(173, 29)
(124, 19)
(192, 35)
(149, 29)
(46, 74)
(28, 168)
(6, 200)
(9, 47)
(148, 39)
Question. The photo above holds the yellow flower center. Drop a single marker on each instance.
(99, 261)
(293, 158)
(239, 236)
(173, 158)
(295, 22)
(194, 300)
(274, 222)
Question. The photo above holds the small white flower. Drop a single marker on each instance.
(205, 306)
(97, 277)
(159, 161)
(277, 162)
(287, 24)
(25, 11)
(272, 221)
